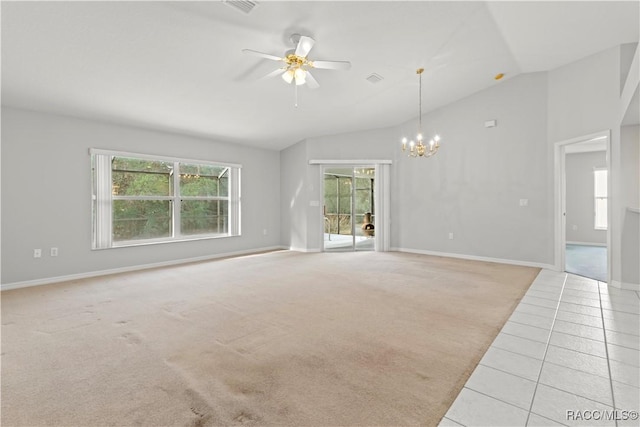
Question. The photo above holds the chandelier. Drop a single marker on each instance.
(418, 148)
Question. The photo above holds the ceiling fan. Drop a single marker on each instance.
(296, 64)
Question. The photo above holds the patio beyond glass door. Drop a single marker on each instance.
(349, 217)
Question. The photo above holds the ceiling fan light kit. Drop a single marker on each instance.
(418, 148)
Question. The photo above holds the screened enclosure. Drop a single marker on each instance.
(349, 215)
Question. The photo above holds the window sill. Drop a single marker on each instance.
(149, 242)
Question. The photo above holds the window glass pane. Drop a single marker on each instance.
(138, 177)
(135, 199)
(344, 207)
(203, 181)
(601, 214)
(141, 219)
(600, 183)
(224, 184)
(364, 197)
(204, 216)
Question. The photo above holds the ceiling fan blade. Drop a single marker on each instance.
(331, 65)
(304, 46)
(311, 81)
(262, 54)
(273, 73)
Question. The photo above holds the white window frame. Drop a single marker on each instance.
(597, 197)
(102, 199)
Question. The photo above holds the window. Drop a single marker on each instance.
(140, 199)
(600, 197)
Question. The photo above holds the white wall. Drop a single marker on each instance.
(46, 195)
(580, 197)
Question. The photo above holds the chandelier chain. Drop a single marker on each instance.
(420, 102)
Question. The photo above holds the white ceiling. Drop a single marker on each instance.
(179, 66)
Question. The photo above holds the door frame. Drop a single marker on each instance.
(382, 197)
(560, 182)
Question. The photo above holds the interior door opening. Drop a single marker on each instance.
(349, 209)
(584, 246)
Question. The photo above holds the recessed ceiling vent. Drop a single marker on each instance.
(374, 78)
(244, 6)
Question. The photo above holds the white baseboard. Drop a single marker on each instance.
(625, 285)
(306, 250)
(50, 280)
(477, 258)
(604, 245)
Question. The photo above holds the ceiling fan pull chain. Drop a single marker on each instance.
(296, 94)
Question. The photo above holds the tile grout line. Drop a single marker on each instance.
(495, 398)
(567, 348)
(606, 349)
(546, 349)
(578, 395)
(506, 372)
(599, 316)
(560, 347)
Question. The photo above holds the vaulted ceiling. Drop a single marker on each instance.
(179, 66)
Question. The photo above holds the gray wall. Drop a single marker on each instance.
(584, 98)
(630, 145)
(46, 196)
(472, 187)
(580, 202)
(301, 182)
(295, 201)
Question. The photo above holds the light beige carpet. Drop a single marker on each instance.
(281, 338)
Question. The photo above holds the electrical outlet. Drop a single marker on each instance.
(524, 202)
(264, 231)
(37, 253)
(574, 227)
(54, 251)
(450, 236)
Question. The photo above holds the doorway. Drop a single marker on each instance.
(583, 206)
(349, 208)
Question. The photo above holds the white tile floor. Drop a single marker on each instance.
(568, 355)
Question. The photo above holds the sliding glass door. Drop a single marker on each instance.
(348, 209)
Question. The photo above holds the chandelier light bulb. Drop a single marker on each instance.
(419, 137)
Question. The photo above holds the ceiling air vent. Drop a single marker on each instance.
(244, 6)
(374, 78)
